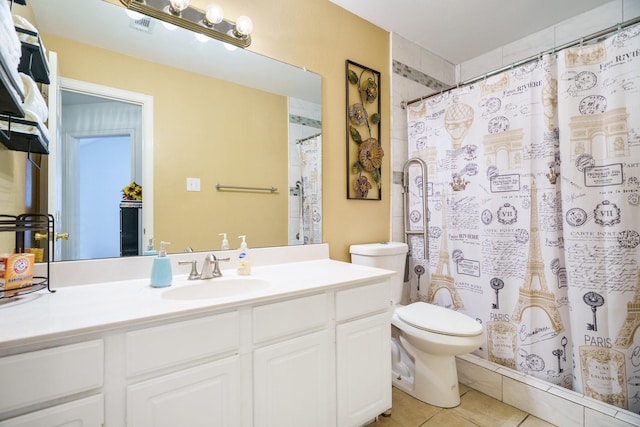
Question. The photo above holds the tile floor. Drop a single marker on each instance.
(475, 410)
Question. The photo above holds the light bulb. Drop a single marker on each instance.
(177, 6)
(244, 26)
(213, 15)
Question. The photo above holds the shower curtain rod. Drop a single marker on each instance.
(532, 58)
(308, 138)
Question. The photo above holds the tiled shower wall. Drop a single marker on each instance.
(416, 72)
(607, 15)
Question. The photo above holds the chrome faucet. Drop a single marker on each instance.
(210, 269)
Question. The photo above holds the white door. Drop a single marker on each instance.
(54, 185)
(363, 349)
(291, 383)
(203, 396)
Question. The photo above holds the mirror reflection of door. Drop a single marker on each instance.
(101, 154)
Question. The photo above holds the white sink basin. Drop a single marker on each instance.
(220, 287)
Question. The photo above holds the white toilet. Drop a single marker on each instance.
(425, 338)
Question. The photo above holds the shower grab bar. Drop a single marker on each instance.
(405, 189)
(231, 187)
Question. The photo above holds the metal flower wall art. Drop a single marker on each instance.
(364, 149)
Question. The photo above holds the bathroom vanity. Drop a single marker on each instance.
(310, 346)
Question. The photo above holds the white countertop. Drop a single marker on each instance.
(80, 309)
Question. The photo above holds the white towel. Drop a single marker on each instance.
(33, 100)
(10, 48)
(21, 22)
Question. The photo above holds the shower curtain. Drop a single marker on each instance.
(311, 190)
(533, 214)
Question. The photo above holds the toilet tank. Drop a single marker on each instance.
(387, 255)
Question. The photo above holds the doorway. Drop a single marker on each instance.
(102, 146)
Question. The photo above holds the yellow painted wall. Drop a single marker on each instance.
(187, 145)
(13, 165)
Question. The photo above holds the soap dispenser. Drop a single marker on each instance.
(151, 250)
(244, 266)
(225, 242)
(161, 274)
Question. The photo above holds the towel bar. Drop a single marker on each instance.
(231, 187)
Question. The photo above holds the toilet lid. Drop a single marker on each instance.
(440, 320)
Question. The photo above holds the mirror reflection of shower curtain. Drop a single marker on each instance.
(311, 190)
(534, 214)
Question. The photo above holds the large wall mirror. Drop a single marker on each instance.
(226, 118)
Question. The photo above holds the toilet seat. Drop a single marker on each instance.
(439, 320)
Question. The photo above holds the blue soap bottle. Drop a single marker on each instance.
(150, 249)
(161, 274)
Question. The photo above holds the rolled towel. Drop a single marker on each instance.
(33, 100)
(10, 52)
(22, 22)
(9, 42)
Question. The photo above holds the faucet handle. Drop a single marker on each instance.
(193, 275)
(216, 266)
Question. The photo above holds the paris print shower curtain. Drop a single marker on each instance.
(311, 192)
(533, 195)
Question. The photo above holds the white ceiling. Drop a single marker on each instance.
(458, 30)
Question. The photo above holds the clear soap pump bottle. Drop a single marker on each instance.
(225, 243)
(244, 265)
(161, 274)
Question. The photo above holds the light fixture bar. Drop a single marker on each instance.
(191, 18)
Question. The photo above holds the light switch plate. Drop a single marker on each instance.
(193, 184)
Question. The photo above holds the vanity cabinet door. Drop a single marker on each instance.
(206, 395)
(291, 383)
(363, 369)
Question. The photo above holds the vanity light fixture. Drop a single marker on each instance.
(210, 22)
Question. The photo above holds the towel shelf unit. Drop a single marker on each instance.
(21, 225)
(33, 63)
